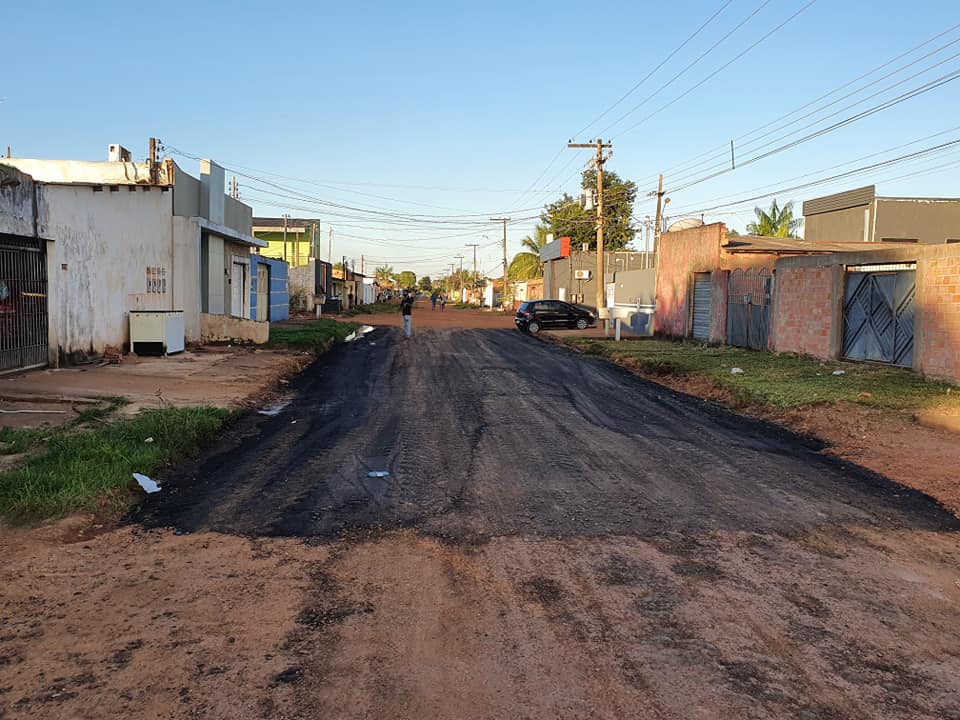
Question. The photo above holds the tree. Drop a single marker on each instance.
(565, 217)
(407, 279)
(779, 222)
(384, 275)
(425, 283)
(526, 263)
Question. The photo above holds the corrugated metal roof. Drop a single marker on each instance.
(840, 201)
(799, 246)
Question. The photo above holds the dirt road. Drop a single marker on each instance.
(554, 538)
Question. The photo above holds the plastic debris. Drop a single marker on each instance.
(148, 485)
(839, 372)
(149, 440)
(736, 371)
(273, 409)
(378, 473)
(351, 337)
(367, 329)
(293, 422)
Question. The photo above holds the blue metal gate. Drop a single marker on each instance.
(878, 314)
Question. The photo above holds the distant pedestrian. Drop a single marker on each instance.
(406, 308)
(433, 301)
(349, 300)
(443, 301)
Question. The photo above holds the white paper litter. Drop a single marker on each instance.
(274, 409)
(351, 337)
(366, 329)
(149, 440)
(736, 371)
(148, 485)
(378, 473)
(839, 372)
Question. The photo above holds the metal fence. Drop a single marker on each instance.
(23, 303)
(748, 308)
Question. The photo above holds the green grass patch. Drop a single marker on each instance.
(74, 468)
(373, 309)
(315, 336)
(782, 380)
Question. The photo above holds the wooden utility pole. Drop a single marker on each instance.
(598, 162)
(504, 220)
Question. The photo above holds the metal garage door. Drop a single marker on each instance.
(878, 314)
(23, 303)
(702, 295)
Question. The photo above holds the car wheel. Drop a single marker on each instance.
(533, 327)
(582, 324)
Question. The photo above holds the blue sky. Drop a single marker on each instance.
(426, 119)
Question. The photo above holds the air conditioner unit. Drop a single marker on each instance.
(582, 274)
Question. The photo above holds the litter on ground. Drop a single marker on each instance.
(378, 473)
(148, 485)
(736, 371)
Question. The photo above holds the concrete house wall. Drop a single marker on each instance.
(807, 314)
(278, 292)
(103, 243)
(683, 255)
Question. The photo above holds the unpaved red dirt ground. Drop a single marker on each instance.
(555, 539)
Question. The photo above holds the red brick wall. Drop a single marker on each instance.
(937, 347)
(803, 310)
(683, 253)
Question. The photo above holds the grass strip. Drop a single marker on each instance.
(315, 336)
(779, 380)
(90, 469)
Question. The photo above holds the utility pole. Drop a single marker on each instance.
(285, 216)
(460, 279)
(330, 248)
(474, 246)
(658, 223)
(362, 262)
(504, 220)
(598, 162)
(153, 161)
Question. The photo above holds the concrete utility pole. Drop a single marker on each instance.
(658, 224)
(285, 216)
(504, 220)
(460, 279)
(598, 162)
(153, 162)
(330, 247)
(474, 246)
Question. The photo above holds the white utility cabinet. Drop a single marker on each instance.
(156, 332)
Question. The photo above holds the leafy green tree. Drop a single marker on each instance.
(778, 222)
(565, 217)
(407, 279)
(526, 263)
(425, 284)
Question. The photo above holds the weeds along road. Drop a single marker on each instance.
(556, 538)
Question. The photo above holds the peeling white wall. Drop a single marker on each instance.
(102, 245)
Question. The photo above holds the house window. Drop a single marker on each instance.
(156, 280)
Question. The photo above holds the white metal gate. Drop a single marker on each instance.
(238, 284)
(702, 298)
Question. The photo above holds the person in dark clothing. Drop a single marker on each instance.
(406, 308)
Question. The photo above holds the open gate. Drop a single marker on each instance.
(23, 303)
(748, 308)
(878, 313)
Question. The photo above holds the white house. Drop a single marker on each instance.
(84, 243)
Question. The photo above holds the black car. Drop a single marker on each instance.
(536, 314)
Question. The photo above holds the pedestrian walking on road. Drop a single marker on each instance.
(443, 301)
(433, 301)
(406, 308)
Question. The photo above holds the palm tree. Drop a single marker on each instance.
(526, 264)
(779, 222)
(384, 275)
